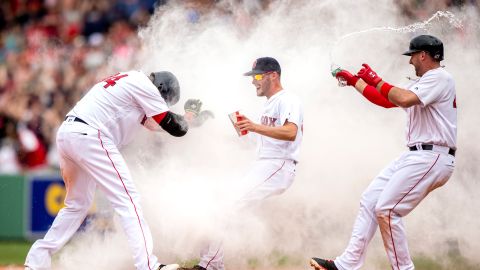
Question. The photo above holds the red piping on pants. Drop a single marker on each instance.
(268, 177)
(134, 207)
(391, 210)
(212, 258)
(247, 193)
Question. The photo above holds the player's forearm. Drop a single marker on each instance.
(371, 94)
(401, 97)
(360, 86)
(284, 133)
(174, 124)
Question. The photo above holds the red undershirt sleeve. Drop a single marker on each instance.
(159, 117)
(375, 97)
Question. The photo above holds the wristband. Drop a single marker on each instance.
(353, 80)
(385, 89)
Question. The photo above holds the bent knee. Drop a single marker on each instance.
(368, 203)
(382, 212)
(78, 209)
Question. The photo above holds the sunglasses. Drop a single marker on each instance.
(259, 77)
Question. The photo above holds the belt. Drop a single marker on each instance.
(75, 119)
(430, 147)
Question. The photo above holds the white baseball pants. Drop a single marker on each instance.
(88, 159)
(396, 191)
(267, 177)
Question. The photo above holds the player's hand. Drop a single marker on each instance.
(347, 76)
(369, 76)
(245, 124)
(202, 117)
(193, 106)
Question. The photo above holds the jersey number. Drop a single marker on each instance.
(112, 80)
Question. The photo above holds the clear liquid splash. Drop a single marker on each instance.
(342, 82)
(452, 20)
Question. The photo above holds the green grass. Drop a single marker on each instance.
(450, 262)
(447, 262)
(188, 263)
(426, 263)
(13, 252)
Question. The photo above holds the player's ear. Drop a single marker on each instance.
(276, 75)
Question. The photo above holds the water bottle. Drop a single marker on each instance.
(341, 81)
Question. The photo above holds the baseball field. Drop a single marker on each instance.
(12, 255)
(186, 184)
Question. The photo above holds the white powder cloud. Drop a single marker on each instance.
(186, 182)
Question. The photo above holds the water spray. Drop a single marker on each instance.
(452, 20)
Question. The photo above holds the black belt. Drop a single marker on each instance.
(430, 147)
(76, 119)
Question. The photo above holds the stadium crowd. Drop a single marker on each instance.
(52, 51)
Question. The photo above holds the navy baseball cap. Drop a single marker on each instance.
(428, 43)
(264, 65)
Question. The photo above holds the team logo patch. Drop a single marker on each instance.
(254, 64)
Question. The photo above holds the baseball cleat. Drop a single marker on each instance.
(168, 267)
(196, 267)
(321, 264)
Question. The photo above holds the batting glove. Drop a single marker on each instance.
(369, 76)
(347, 76)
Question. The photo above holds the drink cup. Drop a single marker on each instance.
(234, 118)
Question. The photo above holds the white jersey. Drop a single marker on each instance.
(279, 108)
(435, 120)
(117, 105)
(274, 170)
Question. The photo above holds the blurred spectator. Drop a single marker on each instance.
(423, 9)
(50, 51)
(8, 146)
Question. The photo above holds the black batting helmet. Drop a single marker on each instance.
(168, 86)
(427, 43)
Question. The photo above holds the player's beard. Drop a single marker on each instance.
(263, 88)
(417, 70)
(416, 64)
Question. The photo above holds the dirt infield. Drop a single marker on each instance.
(11, 267)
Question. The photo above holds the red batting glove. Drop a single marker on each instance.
(347, 76)
(369, 76)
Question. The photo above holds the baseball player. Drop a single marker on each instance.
(88, 141)
(278, 135)
(431, 134)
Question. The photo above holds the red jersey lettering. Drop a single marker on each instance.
(112, 80)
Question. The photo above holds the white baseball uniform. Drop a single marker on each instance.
(88, 142)
(273, 171)
(405, 182)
